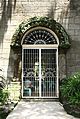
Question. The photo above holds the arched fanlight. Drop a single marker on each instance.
(39, 36)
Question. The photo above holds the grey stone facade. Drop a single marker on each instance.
(13, 12)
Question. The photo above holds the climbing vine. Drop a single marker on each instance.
(64, 39)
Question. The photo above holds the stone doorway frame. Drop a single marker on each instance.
(43, 46)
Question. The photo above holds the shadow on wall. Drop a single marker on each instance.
(75, 5)
(71, 9)
(14, 66)
(68, 17)
(6, 9)
(58, 12)
(73, 56)
(52, 10)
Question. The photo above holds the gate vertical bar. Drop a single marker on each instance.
(57, 73)
(39, 72)
(22, 71)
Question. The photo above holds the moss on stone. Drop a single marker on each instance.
(64, 39)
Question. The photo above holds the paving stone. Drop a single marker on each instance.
(39, 110)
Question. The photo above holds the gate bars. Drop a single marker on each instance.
(40, 71)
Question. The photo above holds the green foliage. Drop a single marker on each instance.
(64, 39)
(3, 96)
(3, 114)
(70, 89)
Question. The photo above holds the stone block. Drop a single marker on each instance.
(77, 32)
(77, 19)
(74, 26)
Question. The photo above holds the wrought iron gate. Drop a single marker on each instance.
(40, 72)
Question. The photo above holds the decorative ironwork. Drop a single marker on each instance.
(33, 59)
(39, 36)
(28, 72)
(49, 72)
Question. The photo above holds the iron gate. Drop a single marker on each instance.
(39, 73)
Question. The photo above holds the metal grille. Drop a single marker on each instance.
(48, 70)
(39, 36)
(39, 73)
(30, 72)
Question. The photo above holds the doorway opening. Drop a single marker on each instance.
(40, 64)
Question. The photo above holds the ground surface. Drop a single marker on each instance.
(39, 110)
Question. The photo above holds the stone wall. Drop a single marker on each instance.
(72, 27)
(13, 12)
(14, 90)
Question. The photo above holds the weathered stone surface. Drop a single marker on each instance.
(13, 12)
(39, 110)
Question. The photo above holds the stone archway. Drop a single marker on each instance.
(40, 63)
(24, 27)
(64, 39)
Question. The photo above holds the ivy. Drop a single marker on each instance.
(64, 39)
